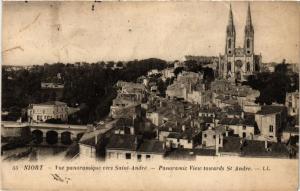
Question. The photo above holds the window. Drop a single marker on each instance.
(128, 155)
(229, 43)
(244, 135)
(139, 157)
(189, 141)
(205, 135)
(148, 156)
(214, 136)
(248, 43)
(244, 127)
(271, 129)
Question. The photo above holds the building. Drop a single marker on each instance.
(238, 63)
(212, 137)
(123, 108)
(244, 128)
(271, 120)
(292, 103)
(48, 110)
(132, 147)
(183, 85)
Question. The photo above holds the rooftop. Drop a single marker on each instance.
(152, 146)
(52, 103)
(271, 109)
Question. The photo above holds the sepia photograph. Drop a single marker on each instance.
(150, 95)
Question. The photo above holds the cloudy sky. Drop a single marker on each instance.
(45, 32)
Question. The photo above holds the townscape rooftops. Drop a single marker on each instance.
(237, 121)
(190, 154)
(271, 109)
(257, 148)
(209, 110)
(122, 142)
(152, 146)
(231, 144)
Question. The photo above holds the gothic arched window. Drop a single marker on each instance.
(229, 43)
(248, 43)
(248, 67)
(229, 66)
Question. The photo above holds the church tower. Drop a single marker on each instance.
(230, 35)
(238, 63)
(249, 35)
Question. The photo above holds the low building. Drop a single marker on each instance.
(131, 147)
(244, 128)
(48, 110)
(213, 136)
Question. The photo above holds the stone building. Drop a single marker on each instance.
(48, 110)
(238, 63)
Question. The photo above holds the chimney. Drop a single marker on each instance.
(217, 144)
(131, 130)
(164, 145)
(183, 127)
(226, 133)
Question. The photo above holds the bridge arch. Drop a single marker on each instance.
(66, 138)
(52, 137)
(37, 136)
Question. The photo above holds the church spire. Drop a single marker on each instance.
(230, 26)
(249, 21)
(230, 19)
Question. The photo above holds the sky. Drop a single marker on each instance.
(48, 32)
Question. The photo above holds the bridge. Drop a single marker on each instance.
(44, 132)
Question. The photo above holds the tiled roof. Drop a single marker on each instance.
(122, 142)
(257, 148)
(231, 144)
(271, 109)
(152, 146)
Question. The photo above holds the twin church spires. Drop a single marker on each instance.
(231, 35)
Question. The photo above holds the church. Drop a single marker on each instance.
(238, 63)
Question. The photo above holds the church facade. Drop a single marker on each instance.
(238, 63)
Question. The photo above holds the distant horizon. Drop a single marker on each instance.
(36, 33)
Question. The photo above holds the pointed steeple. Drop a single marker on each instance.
(230, 26)
(230, 19)
(249, 21)
(249, 27)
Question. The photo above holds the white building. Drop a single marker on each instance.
(48, 110)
